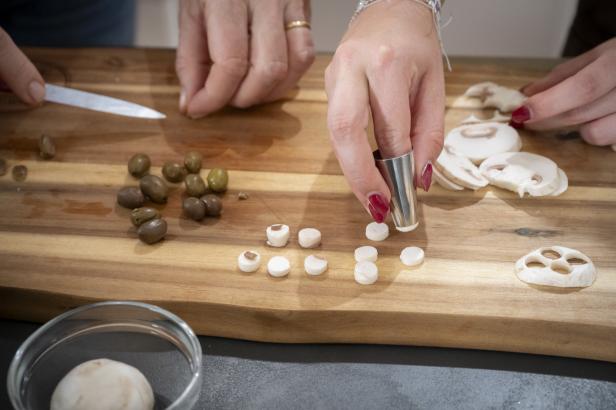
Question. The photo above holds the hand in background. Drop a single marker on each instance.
(18, 73)
(388, 65)
(578, 93)
(237, 52)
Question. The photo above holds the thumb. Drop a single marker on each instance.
(19, 73)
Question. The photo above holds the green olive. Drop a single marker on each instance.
(152, 231)
(154, 188)
(194, 185)
(139, 216)
(213, 204)
(218, 179)
(2, 166)
(174, 172)
(20, 173)
(194, 208)
(47, 149)
(192, 162)
(139, 165)
(130, 197)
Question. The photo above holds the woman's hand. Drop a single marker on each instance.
(579, 93)
(237, 52)
(18, 73)
(388, 65)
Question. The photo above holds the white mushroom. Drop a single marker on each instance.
(489, 94)
(249, 261)
(480, 141)
(522, 172)
(377, 231)
(412, 256)
(496, 117)
(103, 384)
(309, 237)
(277, 235)
(366, 253)
(278, 266)
(445, 182)
(563, 183)
(556, 266)
(460, 170)
(366, 273)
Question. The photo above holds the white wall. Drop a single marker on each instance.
(525, 28)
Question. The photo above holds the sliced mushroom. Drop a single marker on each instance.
(556, 266)
(496, 117)
(522, 172)
(459, 169)
(489, 94)
(480, 141)
(563, 183)
(445, 182)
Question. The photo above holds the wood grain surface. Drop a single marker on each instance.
(64, 242)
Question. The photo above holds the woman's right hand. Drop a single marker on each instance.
(18, 73)
(389, 65)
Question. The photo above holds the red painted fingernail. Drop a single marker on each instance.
(516, 125)
(378, 207)
(521, 115)
(426, 177)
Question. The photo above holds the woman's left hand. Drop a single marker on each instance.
(578, 93)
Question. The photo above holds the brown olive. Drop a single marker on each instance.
(141, 215)
(217, 180)
(20, 173)
(174, 172)
(154, 188)
(130, 197)
(139, 165)
(192, 162)
(195, 186)
(2, 166)
(47, 149)
(152, 231)
(213, 204)
(194, 208)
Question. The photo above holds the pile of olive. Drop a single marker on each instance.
(151, 227)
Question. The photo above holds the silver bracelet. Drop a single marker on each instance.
(433, 5)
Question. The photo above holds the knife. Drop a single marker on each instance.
(97, 102)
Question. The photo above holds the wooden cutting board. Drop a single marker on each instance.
(64, 242)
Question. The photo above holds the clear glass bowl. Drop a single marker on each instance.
(158, 343)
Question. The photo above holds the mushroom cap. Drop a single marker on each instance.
(568, 268)
(103, 384)
(489, 94)
(522, 172)
(459, 169)
(480, 141)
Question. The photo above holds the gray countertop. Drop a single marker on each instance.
(240, 374)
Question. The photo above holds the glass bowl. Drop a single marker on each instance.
(158, 343)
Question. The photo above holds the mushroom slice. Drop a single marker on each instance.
(563, 183)
(496, 117)
(556, 266)
(489, 94)
(522, 172)
(443, 181)
(460, 170)
(480, 141)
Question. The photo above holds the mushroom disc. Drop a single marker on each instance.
(480, 141)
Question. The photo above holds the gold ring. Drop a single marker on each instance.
(297, 24)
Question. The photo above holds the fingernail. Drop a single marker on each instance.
(521, 115)
(516, 125)
(426, 176)
(378, 207)
(182, 101)
(37, 91)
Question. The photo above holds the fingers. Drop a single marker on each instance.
(347, 121)
(268, 55)
(601, 131)
(587, 85)
(19, 73)
(597, 109)
(300, 51)
(227, 38)
(389, 101)
(560, 73)
(192, 58)
(428, 130)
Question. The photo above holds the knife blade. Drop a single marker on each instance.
(97, 102)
